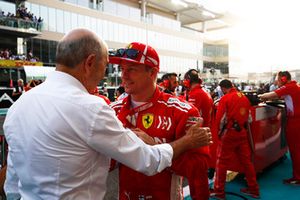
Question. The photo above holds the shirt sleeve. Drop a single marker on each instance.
(11, 183)
(221, 112)
(108, 136)
(284, 90)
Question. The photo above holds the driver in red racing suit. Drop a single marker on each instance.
(164, 118)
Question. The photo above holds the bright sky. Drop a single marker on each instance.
(267, 33)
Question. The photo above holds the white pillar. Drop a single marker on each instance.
(143, 9)
(21, 46)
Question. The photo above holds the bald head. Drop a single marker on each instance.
(77, 45)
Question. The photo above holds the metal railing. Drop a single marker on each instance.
(20, 23)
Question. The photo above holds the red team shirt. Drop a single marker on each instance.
(165, 118)
(203, 102)
(291, 93)
(234, 106)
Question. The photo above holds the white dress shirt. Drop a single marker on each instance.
(61, 139)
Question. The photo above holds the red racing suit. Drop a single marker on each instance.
(234, 107)
(291, 93)
(165, 118)
(204, 103)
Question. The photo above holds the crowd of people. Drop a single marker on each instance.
(178, 87)
(7, 54)
(154, 135)
(24, 14)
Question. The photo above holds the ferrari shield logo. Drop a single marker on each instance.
(147, 120)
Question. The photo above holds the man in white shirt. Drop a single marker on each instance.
(62, 148)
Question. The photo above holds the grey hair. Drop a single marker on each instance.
(70, 53)
(21, 80)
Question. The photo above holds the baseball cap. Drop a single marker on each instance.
(135, 52)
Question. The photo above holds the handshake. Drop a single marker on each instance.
(196, 136)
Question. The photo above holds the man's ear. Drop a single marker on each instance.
(89, 62)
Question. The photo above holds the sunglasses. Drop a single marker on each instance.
(131, 54)
(127, 53)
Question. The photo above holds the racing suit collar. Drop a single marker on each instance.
(127, 112)
(127, 100)
(232, 90)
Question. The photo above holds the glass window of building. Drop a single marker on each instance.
(7, 7)
(215, 50)
(35, 46)
(44, 15)
(84, 3)
(74, 21)
(52, 19)
(93, 24)
(52, 52)
(99, 27)
(59, 21)
(67, 21)
(45, 51)
(35, 9)
(81, 20)
(212, 66)
(87, 22)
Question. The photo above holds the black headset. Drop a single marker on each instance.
(190, 77)
(284, 76)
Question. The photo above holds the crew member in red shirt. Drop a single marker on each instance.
(197, 96)
(231, 118)
(164, 118)
(202, 100)
(290, 91)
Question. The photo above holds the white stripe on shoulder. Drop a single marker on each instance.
(116, 104)
(182, 104)
(174, 105)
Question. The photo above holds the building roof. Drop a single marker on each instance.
(193, 14)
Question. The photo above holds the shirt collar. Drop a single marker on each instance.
(292, 82)
(198, 86)
(127, 100)
(65, 78)
(232, 90)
